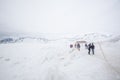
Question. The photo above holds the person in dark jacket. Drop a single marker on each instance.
(71, 46)
(91, 47)
(78, 46)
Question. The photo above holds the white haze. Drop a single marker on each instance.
(60, 16)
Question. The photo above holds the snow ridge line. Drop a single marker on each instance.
(117, 72)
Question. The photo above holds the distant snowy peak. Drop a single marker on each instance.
(92, 37)
(21, 39)
(7, 40)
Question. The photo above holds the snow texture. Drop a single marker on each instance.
(55, 60)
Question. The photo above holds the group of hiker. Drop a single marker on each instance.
(76, 45)
(90, 47)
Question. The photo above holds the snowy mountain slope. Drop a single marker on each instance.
(22, 39)
(115, 39)
(56, 61)
(93, 37)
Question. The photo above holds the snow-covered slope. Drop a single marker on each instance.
(22, 39)
(115, 39)
(29, 59)
(56, 61)
(92, 37)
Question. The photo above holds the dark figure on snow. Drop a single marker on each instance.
(91, 47)
(71, 46)
(78, 46)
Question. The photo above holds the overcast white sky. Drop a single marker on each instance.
(60, 16)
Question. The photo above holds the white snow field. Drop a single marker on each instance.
(56, 61)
